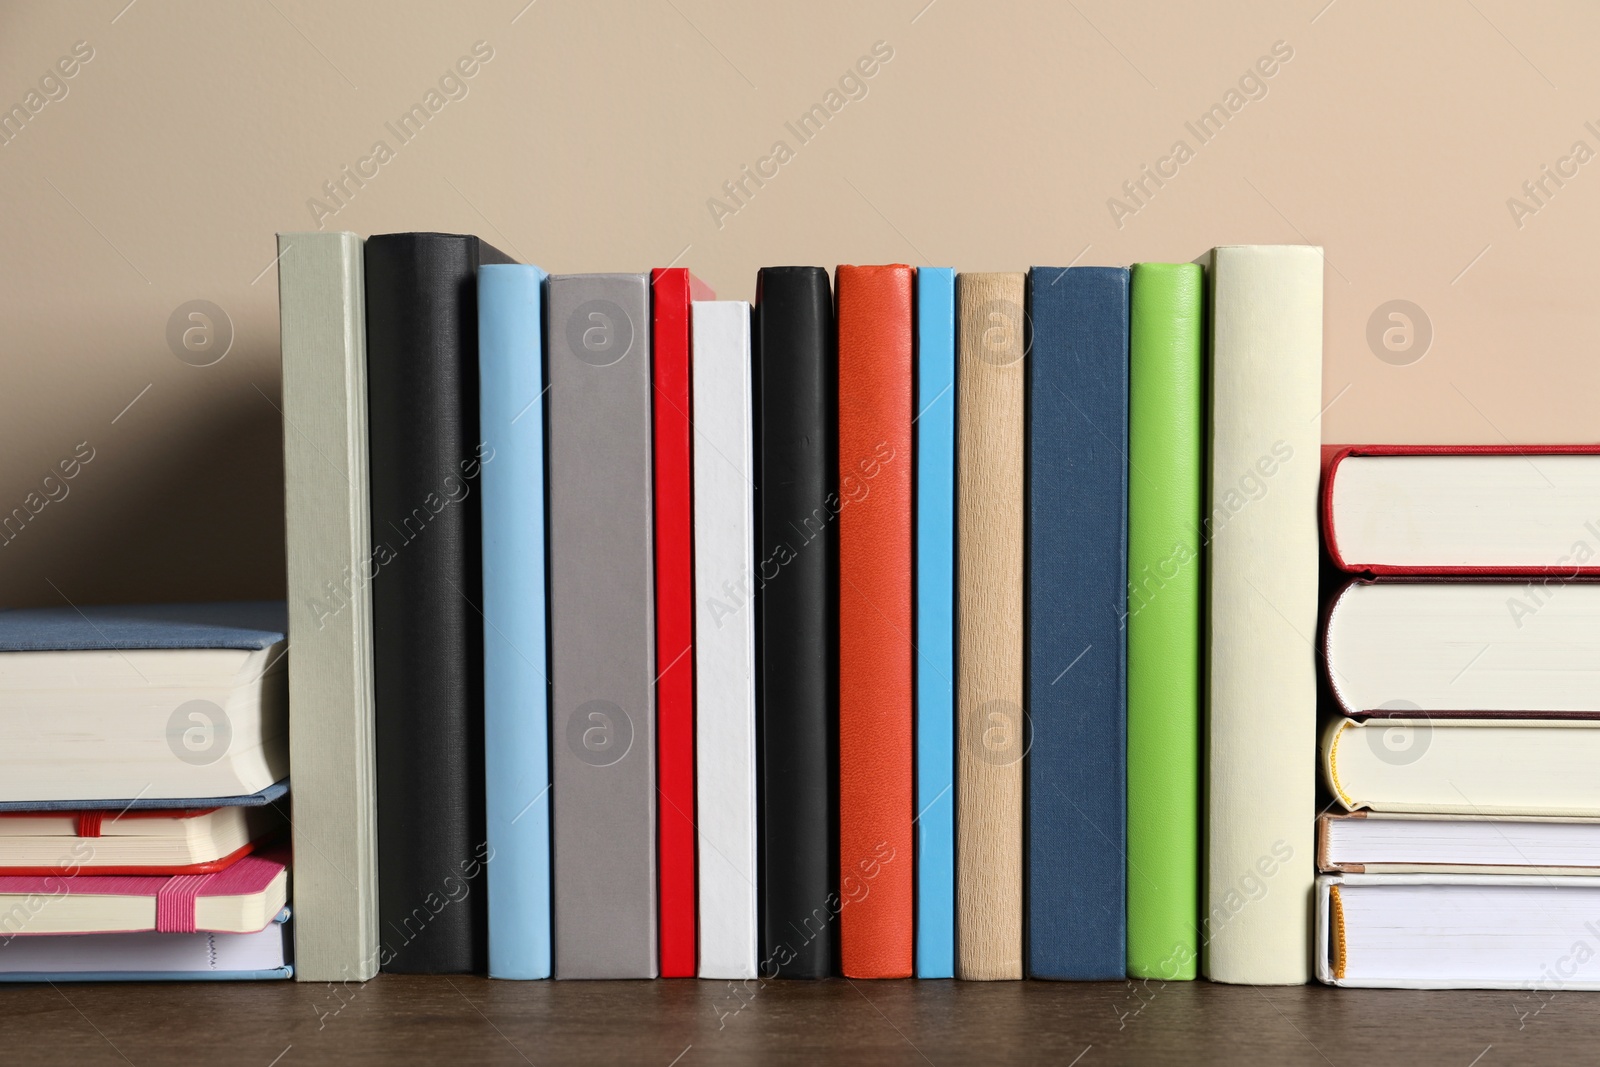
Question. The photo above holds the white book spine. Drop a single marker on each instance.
(1266, 397)
(725, 648)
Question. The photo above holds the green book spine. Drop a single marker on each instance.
(1166, 421)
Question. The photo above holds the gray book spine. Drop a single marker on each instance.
(322, 321)
(602, 628)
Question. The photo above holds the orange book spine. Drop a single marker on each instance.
(875, 622)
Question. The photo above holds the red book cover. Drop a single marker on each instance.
(1331, 477)
(672, 290)
(875, 653)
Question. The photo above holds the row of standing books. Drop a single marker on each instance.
(856, 631)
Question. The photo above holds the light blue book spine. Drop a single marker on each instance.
(935, 584)
(516, 711)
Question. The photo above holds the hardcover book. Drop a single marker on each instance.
(242, 898)
(1076, 608)
(798, 503)
(935, 458)
(1266, 403)
(991, 728)
(1399, 931)
(725, 640)
(144, 841)
(159, 701)
(875, 622)
(327, 545)
(1495, 648)
(202, 956)
(516, 683)
(1166, 446)
(1372, 842)
(602, 620)
(1472, 766)
(1464, 509)
(427, 576)
(672, 288)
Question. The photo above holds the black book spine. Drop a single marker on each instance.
(422, 410)
(797, 568)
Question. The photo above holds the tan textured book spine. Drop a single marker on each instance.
(989, 524)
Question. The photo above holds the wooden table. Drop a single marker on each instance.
(685, 1023)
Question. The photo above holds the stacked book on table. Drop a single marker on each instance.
(142, 750)
(1464, 662)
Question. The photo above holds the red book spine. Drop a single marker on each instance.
(875, 653)
(672, 290)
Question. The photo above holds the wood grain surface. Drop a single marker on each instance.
(689, 1023)
(989, 530)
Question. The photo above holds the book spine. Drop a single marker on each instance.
(1266, 397)
(422, 395)
(725, 640)
(1076, 600)
(602, 616)
(516, 708)
(674, 584)
(989, 666)
(1166, 426)
(327, 543)
(876, 859)
(796, 580)
(935, 425)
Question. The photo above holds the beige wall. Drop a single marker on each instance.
(596, 134)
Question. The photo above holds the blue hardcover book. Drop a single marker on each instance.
(1077, 594)
(208, 682)
(516, 708)
(272, 793)
(244, 625)
(936, 621)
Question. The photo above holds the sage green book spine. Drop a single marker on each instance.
(1166, 423)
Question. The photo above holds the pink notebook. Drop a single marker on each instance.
(242, 898)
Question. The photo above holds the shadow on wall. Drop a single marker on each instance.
(192, 513)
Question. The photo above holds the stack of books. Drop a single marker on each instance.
(141, 753)
(1463, 663)
(860, 630)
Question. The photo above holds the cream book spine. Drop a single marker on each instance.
(1261, 529)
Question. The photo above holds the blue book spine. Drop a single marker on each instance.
(935, 622)
(1076, 604)
(516, 694)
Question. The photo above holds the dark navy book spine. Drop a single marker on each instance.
(1076, 769)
